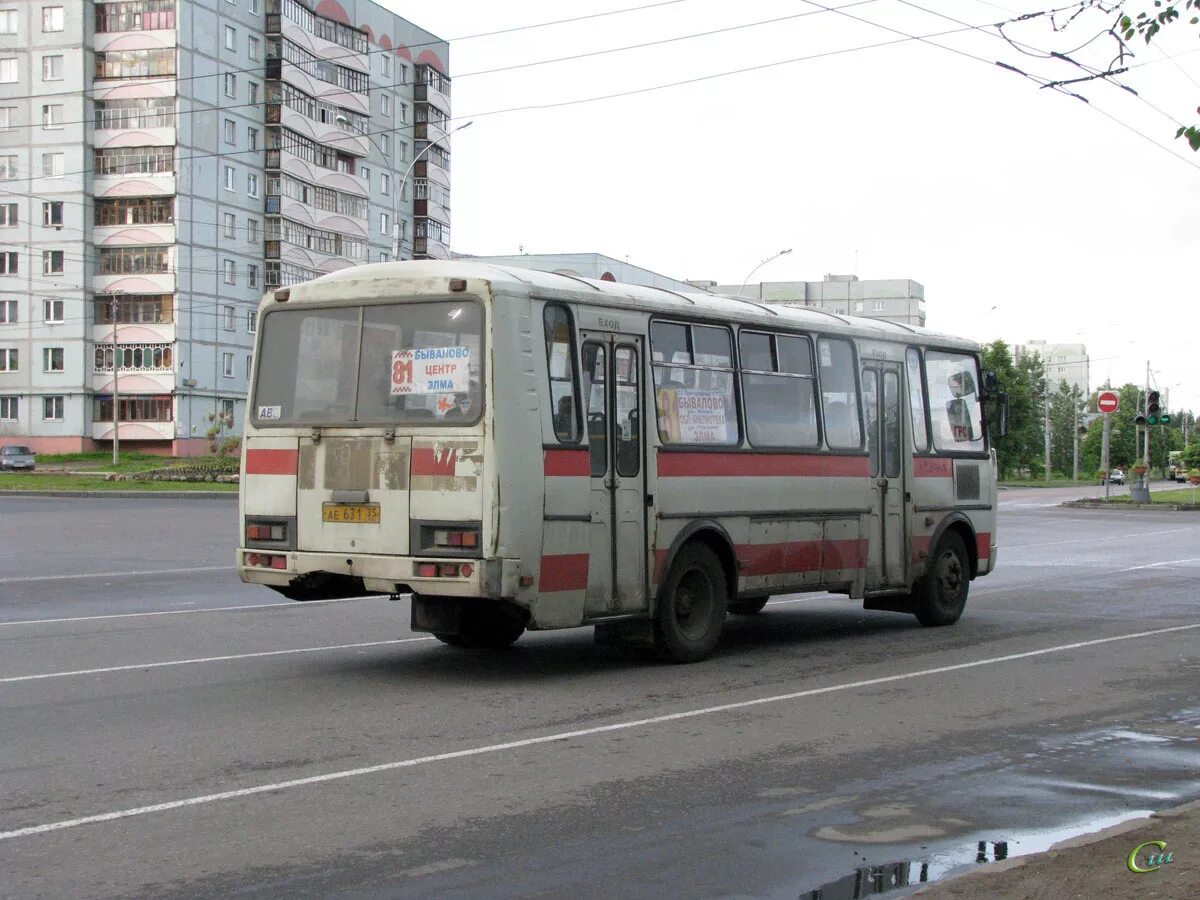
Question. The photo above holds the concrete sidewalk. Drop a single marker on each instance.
(1094, 865)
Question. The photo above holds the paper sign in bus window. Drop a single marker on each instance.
(693, 417)
(431, 370)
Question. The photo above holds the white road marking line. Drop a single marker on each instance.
(1169, 562)
(29, 578)
(180, 612)
(1093, 539)
(207, 659)
(566, 735)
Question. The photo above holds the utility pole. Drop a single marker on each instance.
(1046, 412)
(1104, 466)
(116, 459)
(1075, 438)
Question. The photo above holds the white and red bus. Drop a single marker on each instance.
(525, 450)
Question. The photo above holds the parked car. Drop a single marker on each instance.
(1116, 476)
(15, 457)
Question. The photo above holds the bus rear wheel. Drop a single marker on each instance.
(691, 607)
(941, 594)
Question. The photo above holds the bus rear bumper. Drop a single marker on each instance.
(428, 576)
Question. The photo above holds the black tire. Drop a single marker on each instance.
(691, 606)
(483, 626)
(749, 607)
(941, 593)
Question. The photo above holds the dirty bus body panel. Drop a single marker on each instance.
(526, 450)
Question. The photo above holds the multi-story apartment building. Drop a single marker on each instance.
(899, 300)
(163, 163)
(1063, 362)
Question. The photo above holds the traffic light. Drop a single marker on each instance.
(1153, 407)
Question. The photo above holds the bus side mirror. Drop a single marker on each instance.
(991, 384)
(998, 415)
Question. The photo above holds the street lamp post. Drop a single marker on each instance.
(397, 189)
(116, 456)
(759, 266)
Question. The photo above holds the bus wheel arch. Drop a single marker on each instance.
(960, 524)
(940, 595)
(693, 595)
(713, 535)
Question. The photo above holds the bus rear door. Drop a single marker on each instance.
(612, 400)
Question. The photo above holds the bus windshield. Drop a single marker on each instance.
(394, 364)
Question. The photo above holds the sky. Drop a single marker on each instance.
(1024, 212)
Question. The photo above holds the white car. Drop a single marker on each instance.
(1116, 476)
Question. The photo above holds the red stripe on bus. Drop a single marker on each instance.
(775, 559)
(564, 572)
(557, 463)
(922, 543)
(683, 465)
(272, 462)
(927, 467)
(427, 461)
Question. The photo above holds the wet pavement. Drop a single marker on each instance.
(260, 749)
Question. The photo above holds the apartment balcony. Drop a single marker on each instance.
(135, 283)
(134, 185)
(145, 39)
(135, 431)
(135, 333)
(286, 161)
(132, 235)
(427, 93)
(134, 382)
(105, 138)
(340, 138)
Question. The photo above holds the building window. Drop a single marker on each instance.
(135, 211)
(253, 93)
(385, 223)
(363, 171)
(252, 138)
(133, 409)
(52, 68)
(229, 268)
(403, 74)
(52, 311)
(8, 359)
(229, 317)
(402, 112)
(228, 178)
(877, 306)
(8, 168)
(138, 357)
(230, 37)
(135, 308)
(230, 225)
(249, 366)
(252, 230)
(8, 71)
(52, 359)
(227, 407)
(230, 84)
(231, 132)
(133, 260)
(8, 21)
(252, 278)
(8, 118)
(253, 7)
(8, 215)
(402, 150)
(254, 48)
(52, 213)
(135, 15)
(385, 144)
(8, 405)
(52, 115)
(227, 365)
(53, 164)
(385, 63)
(385, 103)
(135, 63)
(8, 312)
(385, 183)
(8, 262)
(252, 185)
(251, 328)
(52, 262)
(52, 18)
(52, 409)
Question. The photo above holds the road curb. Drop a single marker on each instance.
(1100, 504)
(165, 495)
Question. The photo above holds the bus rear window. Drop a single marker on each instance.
(399, 364)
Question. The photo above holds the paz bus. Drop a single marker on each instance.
(525, 450)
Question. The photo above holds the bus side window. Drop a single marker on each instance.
(560, 362)
(916, 400)
(839, 395)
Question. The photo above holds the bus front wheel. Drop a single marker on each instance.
(692, 605)
(941, 593)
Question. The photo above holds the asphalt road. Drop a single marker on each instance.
(167, 731)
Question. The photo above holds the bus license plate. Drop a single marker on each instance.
(356, 513)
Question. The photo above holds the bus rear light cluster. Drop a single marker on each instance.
(266, 560)
(444, 570)
(266, 532)
(456, 538)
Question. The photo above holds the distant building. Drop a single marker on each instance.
(1063, 362)
(585, 265)
(899, 300)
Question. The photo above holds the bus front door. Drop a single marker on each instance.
(881, 402)
(617, 544)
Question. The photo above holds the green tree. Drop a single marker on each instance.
(1147, 24)
(1020, 451)
(1066, 404)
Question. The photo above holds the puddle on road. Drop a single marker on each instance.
(873, 880)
